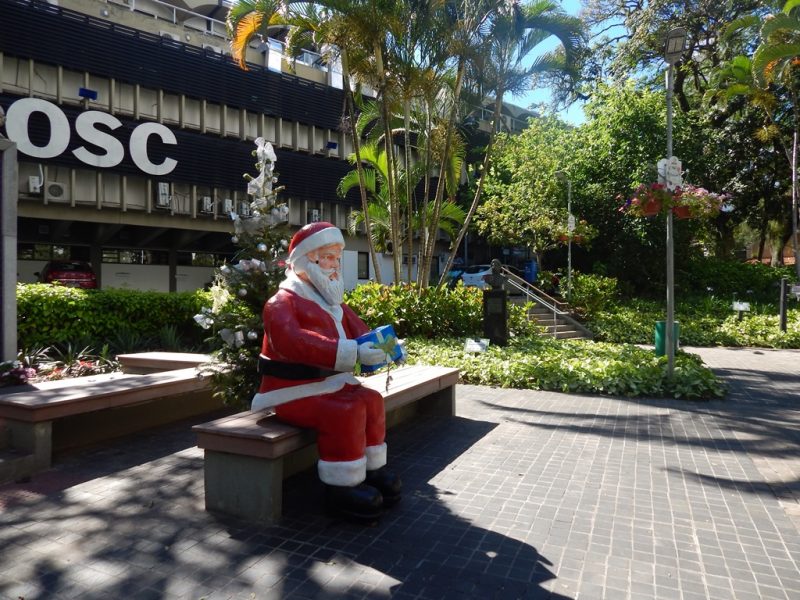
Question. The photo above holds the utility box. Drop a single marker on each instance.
(661, 337)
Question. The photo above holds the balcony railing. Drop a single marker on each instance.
(199, 22)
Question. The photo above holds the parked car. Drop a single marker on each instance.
(473, 276)
(453, 277)
(72, 273)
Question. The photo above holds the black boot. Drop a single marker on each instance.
(360, 502)
(388, 483)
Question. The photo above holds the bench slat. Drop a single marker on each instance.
(247, 432)
(97, 393)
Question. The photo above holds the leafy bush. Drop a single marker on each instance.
(727, 278)
(593, 293)
(51, 314)
(705, 322)
(575, 366)
(431, 312)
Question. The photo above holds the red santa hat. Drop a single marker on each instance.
(313, 236)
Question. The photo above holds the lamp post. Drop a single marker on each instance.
(673, 48)
(562, 176)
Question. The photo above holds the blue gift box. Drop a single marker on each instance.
(379, 337)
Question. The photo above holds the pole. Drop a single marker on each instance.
(670, 324)
(782, 305)
(569, 240)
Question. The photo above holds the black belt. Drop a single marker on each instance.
(285, 370)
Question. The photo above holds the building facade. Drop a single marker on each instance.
(134, 129)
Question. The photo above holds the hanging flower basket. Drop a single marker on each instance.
(681, 211)
(687, 202)
(651, 208)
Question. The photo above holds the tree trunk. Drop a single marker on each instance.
(351, 117)
(409, 191)
(397, 249)
(794, 204)
(442, 183)
(498, 104)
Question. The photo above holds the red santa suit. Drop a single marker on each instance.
(310, 352)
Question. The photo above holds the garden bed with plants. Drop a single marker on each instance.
(92, 330)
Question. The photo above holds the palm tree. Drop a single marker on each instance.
(376, 177)
(326, 30)
(515, 32)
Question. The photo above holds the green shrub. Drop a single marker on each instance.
(592, 293)
(705, 322)
(51, 314)
(575, 366)
(728, 278)
(431, 312)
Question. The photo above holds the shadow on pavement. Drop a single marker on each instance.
(143, 533)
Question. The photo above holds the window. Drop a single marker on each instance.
(363, 265)
(46, 252)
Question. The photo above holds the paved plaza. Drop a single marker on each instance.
(523, 494)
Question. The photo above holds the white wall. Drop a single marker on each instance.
(193, 278)
(27, 268)
(350, 269)
(135, 277)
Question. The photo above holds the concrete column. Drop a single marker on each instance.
(9, 193)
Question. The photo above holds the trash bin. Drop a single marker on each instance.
(531, 271)
(661, 337)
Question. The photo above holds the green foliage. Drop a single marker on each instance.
(705, 322)
(592, 293)
(427, 312)
(572, 366)
(524, 204)
(728, 278)
(51, 314)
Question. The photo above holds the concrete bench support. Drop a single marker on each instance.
(249, 454)
(38, 418)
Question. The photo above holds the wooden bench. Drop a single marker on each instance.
(248, 455)
(36, 419)
(155, 362)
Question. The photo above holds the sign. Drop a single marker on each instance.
(476, 344)
(571, 223)
(102, 149)
(670, 172)
(741, 306)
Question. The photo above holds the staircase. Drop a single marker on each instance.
(550, 313)
(555, 324)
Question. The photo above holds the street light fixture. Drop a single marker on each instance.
(673, 49)
(562, 176)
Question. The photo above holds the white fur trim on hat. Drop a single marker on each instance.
(323, 237)
(343, 472)
(376, 457)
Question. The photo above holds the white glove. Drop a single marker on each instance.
(403, 352)
(369, 355)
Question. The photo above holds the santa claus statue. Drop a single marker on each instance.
(307, 364)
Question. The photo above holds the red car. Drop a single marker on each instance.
(72, 273)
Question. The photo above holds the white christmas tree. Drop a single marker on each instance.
(241, 288)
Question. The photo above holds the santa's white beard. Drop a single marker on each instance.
(332, 290)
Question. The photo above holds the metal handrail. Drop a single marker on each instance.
(557, 307)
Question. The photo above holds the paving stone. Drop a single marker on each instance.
(523, 494)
